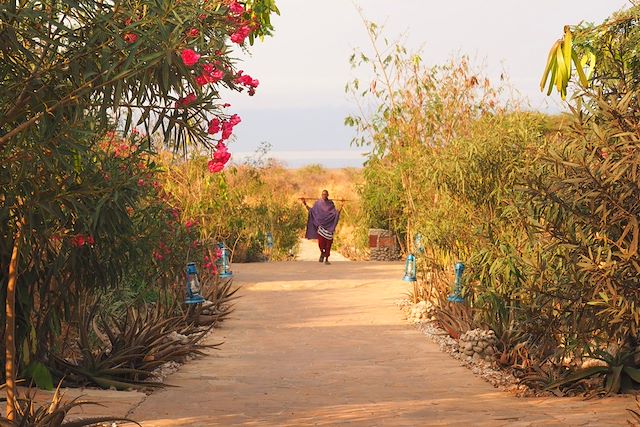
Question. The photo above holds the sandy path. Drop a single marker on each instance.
(308, 251)
(322, 345)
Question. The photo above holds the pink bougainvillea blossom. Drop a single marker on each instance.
(234, 120)
(227, 130)
(82, 240)
(189, 57)
(214, 126)
(236, 8)
(227, 127)
(214, 167)
(219, 158)
(130, 38)
(202, 80)
(209, 75)
(193, 33)
(186, 101)
(208, 68)
(221, 155)
(245, 80)
(240, 34)
(216, 76)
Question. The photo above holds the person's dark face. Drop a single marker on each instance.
(325, 195)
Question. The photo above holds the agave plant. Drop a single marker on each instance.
(134, 346)
(619, 373)
(454, 318)
(52, 414)
(635, 414)
(221, 296)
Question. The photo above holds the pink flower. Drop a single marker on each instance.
(202, 80)
(227, 130)
(219, 158)
(236, 8)
(81, 240)
(202, 16)
(234, 120)
(208, 68)
(214, 166)
(216, 76)
(222, 157)
(186, 101)
(240, 34)
(227, 127)
(246, 80)
(130, 37)
(193, 33)
(214, 126)
(189, 57)
(141, 182)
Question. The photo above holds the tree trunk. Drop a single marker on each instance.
(10, 326)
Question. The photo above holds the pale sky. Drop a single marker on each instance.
(300, 105)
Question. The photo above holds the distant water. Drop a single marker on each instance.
(300, 158)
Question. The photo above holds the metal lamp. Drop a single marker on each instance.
(410, 269)
(419, 245)
(457, 288)
(225, 270)
(193, 285)
(269, 240)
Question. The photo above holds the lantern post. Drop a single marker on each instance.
(225, 270)
(193, 285)
(457, 288)
(418, 244)
(410, 269)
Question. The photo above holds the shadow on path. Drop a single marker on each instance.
(322, 345)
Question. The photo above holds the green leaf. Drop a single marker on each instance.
(41, 375)
(579, 375)
(634, 373)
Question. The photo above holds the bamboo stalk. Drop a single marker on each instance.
(10, 326)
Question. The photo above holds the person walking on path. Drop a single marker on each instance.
(321, 224)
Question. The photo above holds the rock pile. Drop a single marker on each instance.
(421, 311)
(478, 344)
(208, 308)
(384, 254)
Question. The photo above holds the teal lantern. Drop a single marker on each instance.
(225, 270)
(457, 288)
(193, 285)
(410, 269)
(418, 244)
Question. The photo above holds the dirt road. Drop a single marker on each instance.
(312, 344)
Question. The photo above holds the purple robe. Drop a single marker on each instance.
(322, 214)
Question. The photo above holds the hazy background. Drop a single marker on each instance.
(300, 105)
